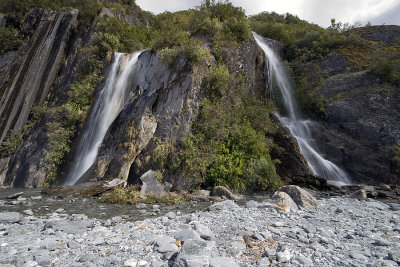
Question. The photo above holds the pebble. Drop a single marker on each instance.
(283, 256)
(337, 232)
(28, 212)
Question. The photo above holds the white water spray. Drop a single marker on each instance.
(297, 127)
(109, 104)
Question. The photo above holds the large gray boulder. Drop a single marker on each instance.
(194, 253)
(284, 201)
(187, 234)
(300, 196)
(166, 244)
(151, 186)
(10, 217)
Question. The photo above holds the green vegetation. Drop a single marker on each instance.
(396, 160)
(302, 41)
(386, 67)
(182, 33)
(308, 90)
(131, 195)
(115, 35)
(16, 10)
(228, 145)
(9, 39)
(14, 137)
(10, 143)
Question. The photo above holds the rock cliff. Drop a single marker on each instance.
(363, 113)
(27, 76)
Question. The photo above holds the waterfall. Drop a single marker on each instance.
(299, 128)
(109, 104)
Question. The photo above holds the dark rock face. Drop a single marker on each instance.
(362, 126)
(28, 77)
(334, 64)
(27, 167)
(293, 164)
(389, 35)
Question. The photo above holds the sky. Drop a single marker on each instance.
(316, 11)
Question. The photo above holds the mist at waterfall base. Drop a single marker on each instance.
(109, 104)
(299, 128)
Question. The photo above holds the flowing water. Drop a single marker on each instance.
(299, 128)
(107, 107)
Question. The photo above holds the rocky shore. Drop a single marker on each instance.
(282, 231)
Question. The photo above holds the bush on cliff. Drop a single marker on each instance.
(9, 39)
(396, 161)
(386, 67)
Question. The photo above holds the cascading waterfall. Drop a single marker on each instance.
(107, 107)
(299, 128)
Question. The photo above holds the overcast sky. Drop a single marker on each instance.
(316, 11)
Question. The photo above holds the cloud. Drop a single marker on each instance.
(317, 11)
(159, 6)
(321, 12)
(389, 17)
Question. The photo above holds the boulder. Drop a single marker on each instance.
(203, 230)
(284, 201)
(151, 186)
(166, 244)
(223, 262)
(221, 191)
(187, 234)
(359, 194)
(10, 217)
(224, 205)
(194, 253)
(300, 196)
(16, 195)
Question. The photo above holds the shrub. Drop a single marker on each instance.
(59, 140)
(218, 82)
(117, 35)
(14, 137)
(261, 175)
(386, 67)
(311, 99)
(9, 39)
(396, 160)
(10, 143)
(168, 56)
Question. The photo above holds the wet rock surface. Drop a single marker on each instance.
(339, 231)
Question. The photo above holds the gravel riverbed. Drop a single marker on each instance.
(338, 232)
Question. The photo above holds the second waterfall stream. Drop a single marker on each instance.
(108, 105)
(299, 128)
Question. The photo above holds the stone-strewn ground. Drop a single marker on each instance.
(338, 232)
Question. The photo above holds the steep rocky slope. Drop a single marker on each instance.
(28, 76)
(363, 111)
